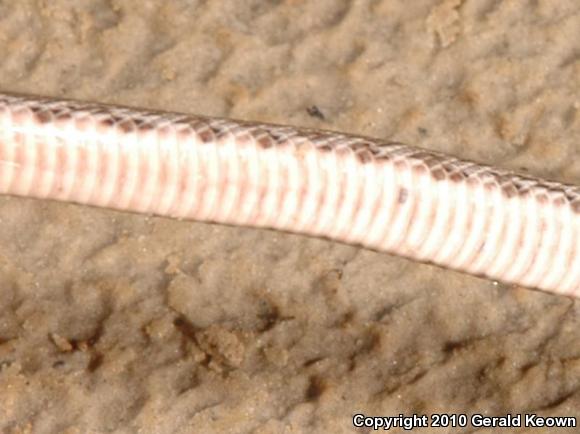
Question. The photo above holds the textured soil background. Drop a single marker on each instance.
(113, 322)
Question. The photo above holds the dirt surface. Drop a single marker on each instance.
(113, 322)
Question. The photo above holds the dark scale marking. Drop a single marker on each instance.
(576, 206)
(219, 131)
(361, 146)
(457, 177)
(98, 111)
(438, 173)
(571, 195)
(276, 137)
(205, 135)
(524, 189)
(64, 115)
(447, 165)
(316, 136)
(434, 162)
(116, 118)
(427, 157)
(127, 126)
(364, 156)
(528, 185)
(202, 129)
(145, 125)
(42, 116)
(553, 190)
(139, 121)
(403, 195)
(108, 122)
(184, 133)
(509, 190)
(420, 169)
(327, 143)
(567, 195)
(264, 141)
(325, 148)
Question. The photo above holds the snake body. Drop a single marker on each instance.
(385, 196)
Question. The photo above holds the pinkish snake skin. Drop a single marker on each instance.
(388, 197)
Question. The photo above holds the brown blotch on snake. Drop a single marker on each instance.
(364, 156)
(206, 136)
(42, 116)
(403, 195)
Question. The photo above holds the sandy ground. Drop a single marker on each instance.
(112, 322)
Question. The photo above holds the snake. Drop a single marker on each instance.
(384, 196)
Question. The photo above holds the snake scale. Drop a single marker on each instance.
(384, 196)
